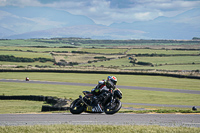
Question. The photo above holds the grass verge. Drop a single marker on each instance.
(63, 128)
(159, 111)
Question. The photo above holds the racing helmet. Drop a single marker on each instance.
(111, 81)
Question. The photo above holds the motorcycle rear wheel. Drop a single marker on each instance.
(76, 107)
(114, 109)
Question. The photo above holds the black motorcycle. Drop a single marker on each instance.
(90, 103)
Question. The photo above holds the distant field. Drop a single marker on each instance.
(170, 60)
(30, 42)
(25, 64)
(114, 54)
(162, 51)
(109, 63)
(26, 54)
(96, 43)
(35, 49)
(166, 67)
(168, 63)
(105, 51)
(84, 58)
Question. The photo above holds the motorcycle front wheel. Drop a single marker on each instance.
(76, 107)
(114, 107)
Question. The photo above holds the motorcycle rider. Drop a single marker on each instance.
(103, 90)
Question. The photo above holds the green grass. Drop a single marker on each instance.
(105, 51)
(153, 97)
(30, 42)
(159, 51)
(62, 128)
(20, 106)
(84, 58)
(115, 62)
(25, 64)
(166, 67)
(42, 89)
(182, 63)
(26, 54)
(127, 80)
(160, 111)
(129, 96)
(49, 49)
(170, 60)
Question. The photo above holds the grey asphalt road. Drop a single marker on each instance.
(191, 120)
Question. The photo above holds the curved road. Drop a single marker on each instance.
(116, 119)
(119, 86)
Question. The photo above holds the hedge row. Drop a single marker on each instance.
(46, 108)
(11, 58)
(23, 97)
(55, 102)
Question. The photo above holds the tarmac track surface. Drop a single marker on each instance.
(191, 120)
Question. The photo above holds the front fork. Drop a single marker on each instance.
(81, 98)
(112, 101)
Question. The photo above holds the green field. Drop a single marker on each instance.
(129, 96)
(35, 49)
(98, 129)
(163, 51)
(25, 64)
(179, 56)
(181, 67)
(26, 54)
(29, 42)
(162, 54)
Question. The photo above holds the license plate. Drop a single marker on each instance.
(89, 108)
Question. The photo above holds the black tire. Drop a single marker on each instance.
(76, 107)
(111, 110)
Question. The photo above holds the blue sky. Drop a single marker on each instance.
(113, 11)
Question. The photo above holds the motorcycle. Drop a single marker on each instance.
(110, 103)
(27, 79)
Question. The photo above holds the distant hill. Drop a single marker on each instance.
(43, 22)
(182, 26)
(84, 31)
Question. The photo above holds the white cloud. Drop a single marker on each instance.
(6, 14)
(21, 3)
(109, 11)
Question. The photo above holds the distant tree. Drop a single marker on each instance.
(196, 38)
